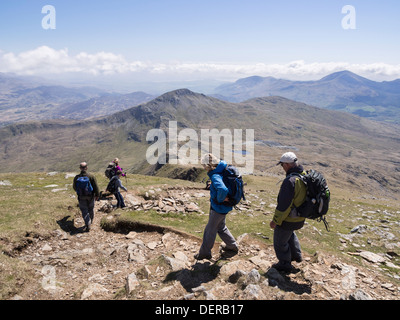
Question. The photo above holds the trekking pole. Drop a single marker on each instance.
(270, 167)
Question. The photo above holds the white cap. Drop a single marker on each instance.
(210, 161)
(288, 157)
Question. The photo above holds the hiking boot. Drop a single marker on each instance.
(285, 267)
(297, 259)
(227, 253)
(202, 257)
(233, 250)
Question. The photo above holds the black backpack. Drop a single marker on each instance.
(110, 171)
(234, 182)
(316, 205)
(112, 185)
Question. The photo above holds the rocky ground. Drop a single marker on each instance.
(157, 263)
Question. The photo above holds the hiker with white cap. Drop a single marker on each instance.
(285, 220)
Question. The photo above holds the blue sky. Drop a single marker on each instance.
(191, 39)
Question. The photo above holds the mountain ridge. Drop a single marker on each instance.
(23, 99)
(343, 91)
(330, 140)
(26, 98)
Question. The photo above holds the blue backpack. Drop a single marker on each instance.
(83, 186)
(234, 182)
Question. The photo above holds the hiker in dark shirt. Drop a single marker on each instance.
(118, 186)
(85, 185)
(285, 220)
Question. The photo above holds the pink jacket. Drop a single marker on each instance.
(119, 168)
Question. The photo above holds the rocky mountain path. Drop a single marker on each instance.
(159, 265)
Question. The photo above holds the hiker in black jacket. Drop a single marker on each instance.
(285, 220)
(117, 189)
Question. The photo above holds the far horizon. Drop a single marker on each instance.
(133, 45)
(112, 85)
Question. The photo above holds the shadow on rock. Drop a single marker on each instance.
(285, 283)
(194, 277)
(68, 226)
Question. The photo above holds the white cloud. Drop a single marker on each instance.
(45, 60)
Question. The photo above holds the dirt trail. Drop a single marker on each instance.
(158, 264)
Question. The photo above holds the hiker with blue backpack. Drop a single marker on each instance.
(221, 203)
(86, 187)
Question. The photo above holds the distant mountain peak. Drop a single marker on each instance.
(344, 75)
(250, 80)
(180, 92)
(176, 95)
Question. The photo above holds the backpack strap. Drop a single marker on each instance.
(293, 211)
(323, 219)
(298, 174)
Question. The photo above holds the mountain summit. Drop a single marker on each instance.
(186, 107)
(347, 77)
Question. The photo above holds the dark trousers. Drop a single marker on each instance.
(87, 208)
(120, 200)
(286, 245)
